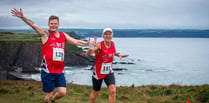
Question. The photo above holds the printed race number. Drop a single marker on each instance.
(58, 54)
(106, 68)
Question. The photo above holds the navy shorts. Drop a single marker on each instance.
(109, 79)
(50, 81)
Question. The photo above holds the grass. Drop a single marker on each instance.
(9, 36)
(31, 92)
(73, 49)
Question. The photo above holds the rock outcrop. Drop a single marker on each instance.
(27, 55)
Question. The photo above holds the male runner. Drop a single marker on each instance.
(53, 49)
(104, 54)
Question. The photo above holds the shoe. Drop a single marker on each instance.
(52, 101)
(45, 101)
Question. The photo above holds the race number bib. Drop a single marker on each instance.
(58, 54)
(106, 68)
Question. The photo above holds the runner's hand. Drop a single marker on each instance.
(122, 56)
(17, 13)
(92, 42)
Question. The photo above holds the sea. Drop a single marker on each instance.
(156, 61)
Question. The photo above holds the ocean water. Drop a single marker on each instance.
(161, 61)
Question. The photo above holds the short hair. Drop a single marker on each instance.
(54, 17)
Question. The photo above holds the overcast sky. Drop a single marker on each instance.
(118, 14)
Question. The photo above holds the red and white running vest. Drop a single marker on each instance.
(53, 52)
(104, 59)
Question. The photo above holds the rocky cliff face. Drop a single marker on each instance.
(27, 54)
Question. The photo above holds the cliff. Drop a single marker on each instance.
(27, 55)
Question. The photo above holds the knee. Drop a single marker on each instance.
(49, 96)
(94, 94)
(112, 90)
(62, 93)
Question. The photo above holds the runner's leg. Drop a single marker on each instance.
(110, 82)
(48, 97)
(112, 95)
(96, 88)
(61, 92)
(48, 86)
(60, 83)
(93, 96)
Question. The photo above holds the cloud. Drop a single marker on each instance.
(113, 13)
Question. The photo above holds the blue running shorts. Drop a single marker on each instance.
(51, 81)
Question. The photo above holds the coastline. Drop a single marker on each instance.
(30, 91)
(21, 53)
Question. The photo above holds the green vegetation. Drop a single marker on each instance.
(72, 48)
(8, 36)
(30, 92)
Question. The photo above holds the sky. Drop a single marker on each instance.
(118, 14)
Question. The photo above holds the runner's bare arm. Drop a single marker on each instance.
(121, 56)
(38, 29)
(73, 41)
(97, 48)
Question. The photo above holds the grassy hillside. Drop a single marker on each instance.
(9, 36)
(30, 92)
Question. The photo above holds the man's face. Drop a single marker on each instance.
(107, 36)
(53, 25)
